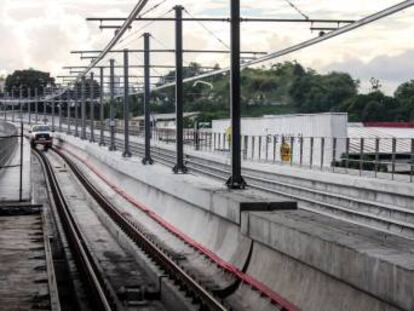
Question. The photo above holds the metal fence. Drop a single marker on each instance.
(364, 156)
(392, 158)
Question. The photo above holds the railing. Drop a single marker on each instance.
(379, 157)
(364, 156)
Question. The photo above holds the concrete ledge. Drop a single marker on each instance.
(382, 190)
(201, 192)
(353, 254)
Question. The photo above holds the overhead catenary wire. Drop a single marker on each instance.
(135, 32)
(364, 21)
(118, 35)
(272, 55)
(297, 9)
(165, 46)
(209, 31)
(154, 7)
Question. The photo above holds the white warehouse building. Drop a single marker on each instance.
(311, 136)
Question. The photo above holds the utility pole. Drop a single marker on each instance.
(112, 146)
(101, 106)
(236, 180)
(83, 109)
(147, 96)
(126, 152)
(92, 108)
(179, 98)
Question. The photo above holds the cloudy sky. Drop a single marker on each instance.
(41, 33)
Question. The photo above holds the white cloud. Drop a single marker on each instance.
(41, 33)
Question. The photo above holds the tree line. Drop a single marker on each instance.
(280, 89)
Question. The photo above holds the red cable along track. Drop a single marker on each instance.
(274, 297)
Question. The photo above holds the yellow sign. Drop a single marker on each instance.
(228, 135)
(285, 152)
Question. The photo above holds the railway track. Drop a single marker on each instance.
(99, 288)
(380, 216)
(185, 272)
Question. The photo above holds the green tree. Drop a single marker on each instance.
(374, 106)
(28, 79)
(405, 96)
(88, 83)
(313, 92)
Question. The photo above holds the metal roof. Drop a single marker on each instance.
(385, 135)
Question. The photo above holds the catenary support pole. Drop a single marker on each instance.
(83, 108)
(60, 103)
(92, 108)
(126, 152)
(111, 105)
(12, 104)
(147, 95)
(68, 116)
(29, 104)
(44, 106)
(236, 180)
(76, 91)
(53, 111)
(21, 103)
(6, 107)
(36, 94)
(21, 163)
(101, 106)
(179, 98)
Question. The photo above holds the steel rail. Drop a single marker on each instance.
(273, 55)
(274, 297)
(146, 244)
(103, 296)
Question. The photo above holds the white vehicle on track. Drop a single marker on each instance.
(41, 135)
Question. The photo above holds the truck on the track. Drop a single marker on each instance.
(41, 135)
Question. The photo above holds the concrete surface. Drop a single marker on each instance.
(355, 255)
(23, 277)
(317, 262)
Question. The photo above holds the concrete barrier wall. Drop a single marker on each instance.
(213, 216)
(186, 202)
(8, 145)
